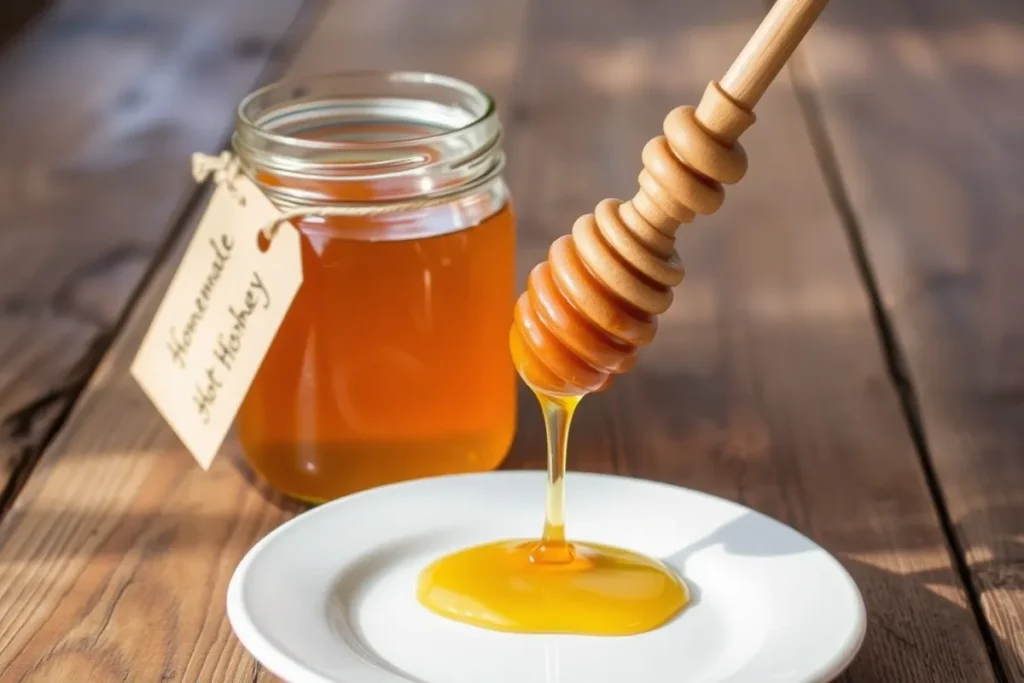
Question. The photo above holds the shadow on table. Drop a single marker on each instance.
(896, 647)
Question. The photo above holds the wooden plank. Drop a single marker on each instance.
(117, 553)
(920, 105)
(766, 383)
(103, 102)
(15, 14)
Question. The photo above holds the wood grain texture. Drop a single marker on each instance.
(103, 101)
(770, 48)
(920, 104)
(766, 383)
(16, 14)
(116, 555)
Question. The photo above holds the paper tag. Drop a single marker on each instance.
(218, 317)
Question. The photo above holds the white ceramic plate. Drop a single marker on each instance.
(330, 596)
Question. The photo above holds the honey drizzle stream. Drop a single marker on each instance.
(551, 585)
(558, 412)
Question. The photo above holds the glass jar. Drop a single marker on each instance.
(393, 361)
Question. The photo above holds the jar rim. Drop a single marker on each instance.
(251, 124)
(325, 139)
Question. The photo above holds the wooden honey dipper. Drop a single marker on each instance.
(588, 310)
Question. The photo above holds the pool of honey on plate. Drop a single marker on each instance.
(392, 362)
(551, 584)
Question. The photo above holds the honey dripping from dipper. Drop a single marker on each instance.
(584, 316)
(582, 319)
(551, 585)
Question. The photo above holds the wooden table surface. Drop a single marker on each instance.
(846, 354)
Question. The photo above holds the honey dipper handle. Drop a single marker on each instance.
(768, 49)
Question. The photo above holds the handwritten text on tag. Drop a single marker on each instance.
(219, 317)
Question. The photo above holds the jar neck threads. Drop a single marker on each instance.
(369, 137)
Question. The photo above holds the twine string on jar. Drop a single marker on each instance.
(225, 169)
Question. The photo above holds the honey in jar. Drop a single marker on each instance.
(392, 362)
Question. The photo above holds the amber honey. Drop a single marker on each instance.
(389, 365)
(552, 585)
(392, 362)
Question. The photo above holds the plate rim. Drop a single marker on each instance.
(280, 663)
